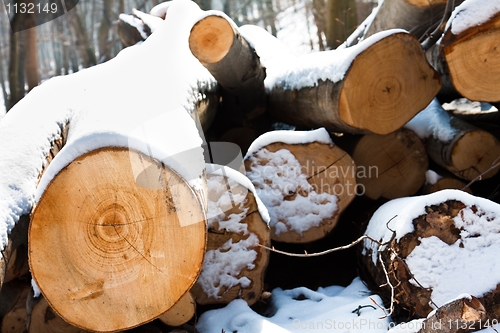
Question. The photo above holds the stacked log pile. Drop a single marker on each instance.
(134, 233)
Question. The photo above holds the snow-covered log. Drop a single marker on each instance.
(415, 16)
(375, 86)
(462, 315)
(467, 54)
(464, 150)
(181, 312)
(434, 248)
(443, 180)
(304, 180)
(390, 166)
(234, 264)
(125, 194)
(217, 44)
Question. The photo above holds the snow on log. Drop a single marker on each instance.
(415, 16)
(462, 315)
(137, 163)
(303, 179)
(435, 248)
(390, 166)
(375, 86)
(467, 54)
(234, 264)
(181, 312)
(462, 149)
(435, 182)
(217, 44)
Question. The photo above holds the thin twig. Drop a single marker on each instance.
(434, 36)
(496, 164)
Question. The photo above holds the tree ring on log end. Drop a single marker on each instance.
(381, 98)
(211, 39)
(109, 254)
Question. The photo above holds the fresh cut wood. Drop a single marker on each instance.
(304, 180)
(374, 87)
(467, 54)
(390, 166)
(426, 251)
(462, 149)
(117, 221)
(217, 44)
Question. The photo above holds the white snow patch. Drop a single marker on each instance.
(280, 177)
(330, 309)
(290, 137)
(450, 270)
(471, 13)
(463, 104)
(152, 21)
(431, 177)
(161, 9)
(36, 290)
(432, 121)
(241, 179)
(307, 70)
(134, 22)
(125, 102)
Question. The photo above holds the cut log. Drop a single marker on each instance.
(12, 257)
(304, 180)
(436, 247)
(415, 16)
(390, 166)
(462, 149)
(462, 315)
(435, 182)
(181, 312)
(467, 55)
(217, 44)
(234, 264)
(43, 319)
(342, 90)
(13, 307)
(113, 231)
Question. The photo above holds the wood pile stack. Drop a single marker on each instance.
(121, 240)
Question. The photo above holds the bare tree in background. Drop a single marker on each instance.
(341, 20)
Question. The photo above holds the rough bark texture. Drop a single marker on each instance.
(437, 222)
(113, 228)
(469, 62)
(391, 166)
(217, 44)
(370, 99)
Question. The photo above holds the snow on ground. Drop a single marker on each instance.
(453, 269)
(330, 309)
(142, 99)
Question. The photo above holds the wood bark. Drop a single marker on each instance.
(470, 152)
(11, 259)
(113, 238)
(217, 44)
(462, 315)
(436, 222)
(13, 307)
(328, 169)
(391, 166)
(369, 99)
(251, 224)
(468, 62)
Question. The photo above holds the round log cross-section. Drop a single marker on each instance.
(112, 248)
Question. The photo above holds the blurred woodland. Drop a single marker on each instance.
(87, 34)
